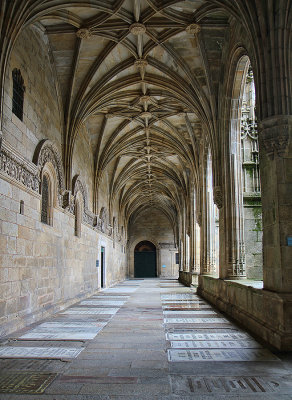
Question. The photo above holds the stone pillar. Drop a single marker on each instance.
(276, 178)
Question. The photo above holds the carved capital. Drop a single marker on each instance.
(274, 135)
(218, 196)
(83, 33)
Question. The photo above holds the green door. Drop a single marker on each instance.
(145, 264)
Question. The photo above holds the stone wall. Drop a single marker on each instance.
(46, 268)
(156, 228)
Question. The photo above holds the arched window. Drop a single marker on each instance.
(46, 212)
(18, 93)
(48, 193)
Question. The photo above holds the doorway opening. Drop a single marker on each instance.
(102, 267)
(145, 260)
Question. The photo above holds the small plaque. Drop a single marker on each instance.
(39, 352)
(163, 266)
(175, 355)
(289, 240)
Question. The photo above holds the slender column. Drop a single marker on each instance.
(192, 233)
(206, 264)
(234, 210)
(275, 167)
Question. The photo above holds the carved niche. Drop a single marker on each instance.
(78, 186)
(47, 152)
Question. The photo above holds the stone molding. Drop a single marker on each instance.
(17, 167)
(274, 135)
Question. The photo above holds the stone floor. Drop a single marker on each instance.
(145, 339)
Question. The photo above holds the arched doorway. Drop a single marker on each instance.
(145, 260)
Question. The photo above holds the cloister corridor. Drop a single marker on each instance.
(145, 199)
(149, 339)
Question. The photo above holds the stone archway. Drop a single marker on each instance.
(145, 265)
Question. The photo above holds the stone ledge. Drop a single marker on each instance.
(188, 278)
(266, 314)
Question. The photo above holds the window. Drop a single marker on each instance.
(45, 200)
(48, 193)
(18, 93)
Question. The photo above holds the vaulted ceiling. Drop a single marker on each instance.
(142, 77)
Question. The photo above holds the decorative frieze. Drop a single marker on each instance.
(16, 167)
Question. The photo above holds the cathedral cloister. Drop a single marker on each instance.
(146, 167)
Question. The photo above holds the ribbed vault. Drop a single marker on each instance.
(136, 74)
(142, 77)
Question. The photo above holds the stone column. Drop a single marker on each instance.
(276, 178)
(235, 252)
(206, 250)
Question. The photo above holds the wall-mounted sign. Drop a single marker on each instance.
(163, 266)
(97, 263)
(289, 240)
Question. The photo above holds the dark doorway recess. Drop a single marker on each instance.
(102, 267)
(145, 260)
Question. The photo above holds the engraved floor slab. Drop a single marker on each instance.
(91, 311)
(215, 344)
(237, 385)
(175, 355)
(39, 352)
(195, 321)
(179, 296)
(121, 290)
(180, 312)
(62, 333)
(180, 302)
(25, 382)
(108, 297)
(72, 324)
(207, 336)
(101, 303)
(183, 307)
